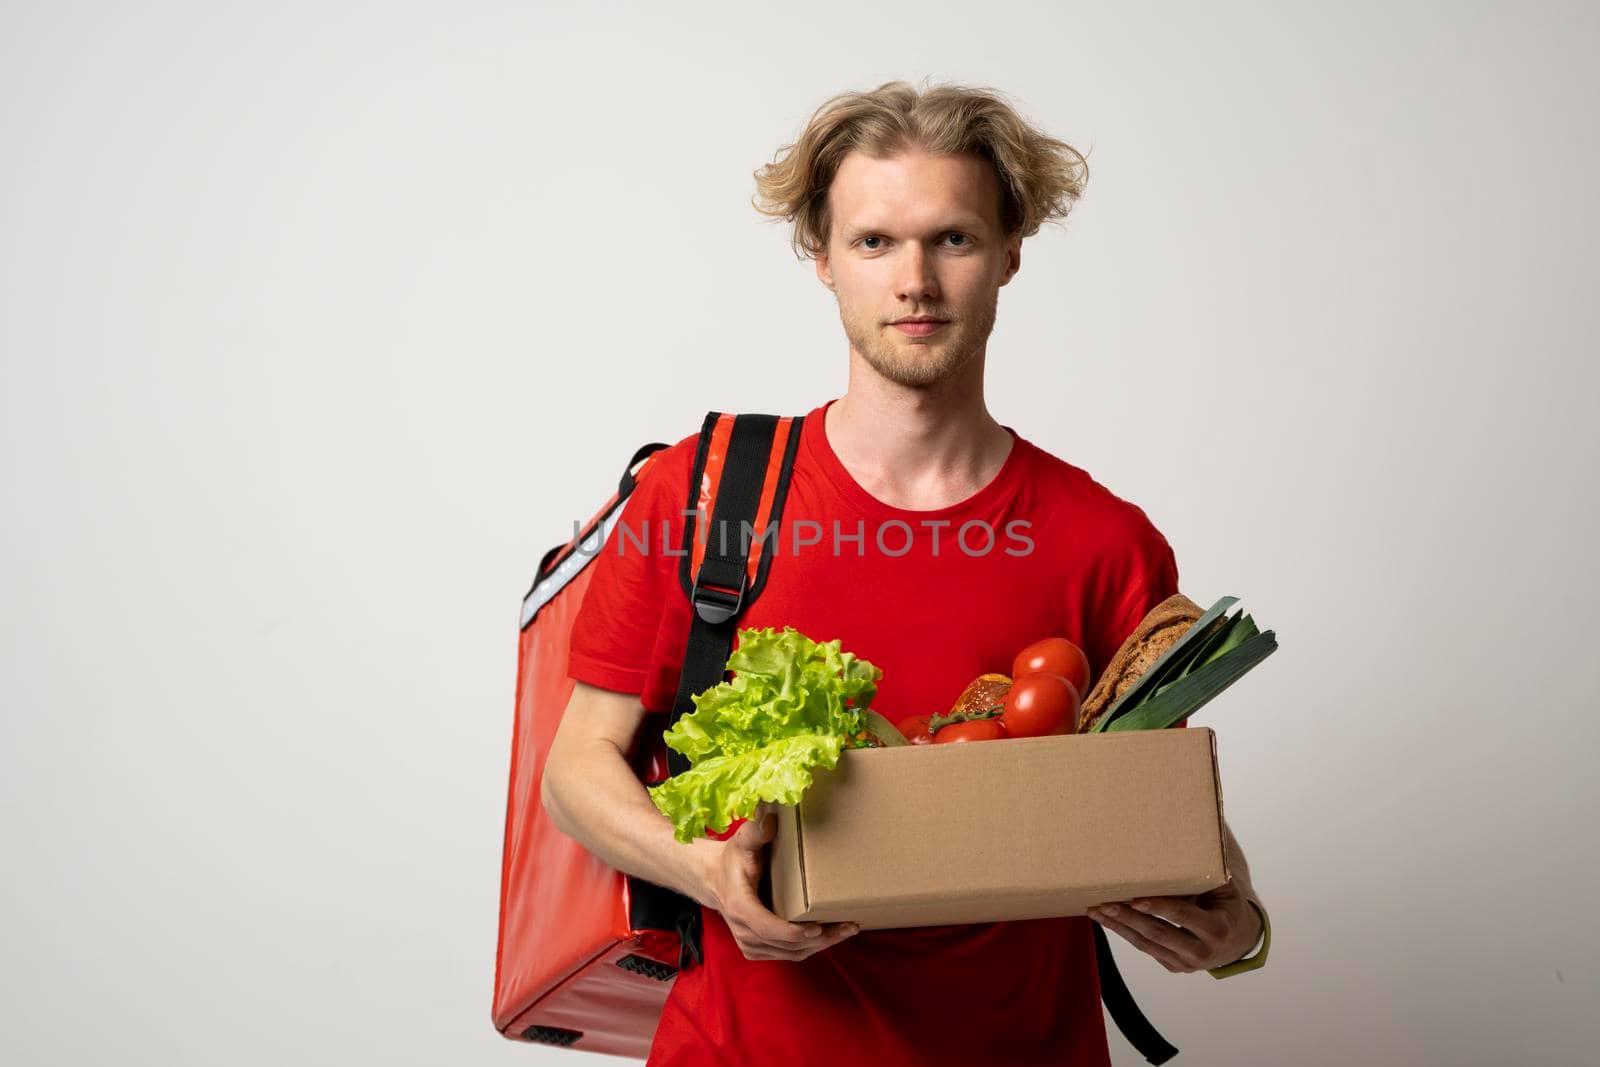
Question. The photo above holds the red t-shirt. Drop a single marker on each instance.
(934, 608)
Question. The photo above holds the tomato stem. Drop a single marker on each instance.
(990, 712)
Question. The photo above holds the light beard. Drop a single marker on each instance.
(920, 365)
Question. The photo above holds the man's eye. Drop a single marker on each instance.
(966, 241)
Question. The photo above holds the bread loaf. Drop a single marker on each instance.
(982, 693)
(1158, 631)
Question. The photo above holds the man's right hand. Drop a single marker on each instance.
(731, 877)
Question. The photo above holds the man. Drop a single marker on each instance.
(914, 207)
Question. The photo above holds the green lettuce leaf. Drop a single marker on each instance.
(791, 706)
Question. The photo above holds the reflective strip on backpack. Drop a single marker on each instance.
(546, 588)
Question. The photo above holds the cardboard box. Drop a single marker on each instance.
(1022, 828)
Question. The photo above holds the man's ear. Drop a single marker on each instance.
(1013, 257)
(824, 272)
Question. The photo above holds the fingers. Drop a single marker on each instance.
(1161, 955)
(1174, 948)
(764, 935)
(758, 831)
(1159, 952)
(761, 934)
(745, 909)
(1182, 912)
(756, 948)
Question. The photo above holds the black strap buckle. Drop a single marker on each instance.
(715, 604)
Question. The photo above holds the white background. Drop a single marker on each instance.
(323, 321)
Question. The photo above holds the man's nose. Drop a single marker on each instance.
(916, 282)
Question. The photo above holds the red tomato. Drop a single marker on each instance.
(1039, 705)
(1055, 655)
(916, 729)
(971, 730)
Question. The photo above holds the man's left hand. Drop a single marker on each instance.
(1186, 934)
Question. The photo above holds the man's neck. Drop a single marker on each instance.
(916, 449)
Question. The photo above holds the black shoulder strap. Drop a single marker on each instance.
(1120, 1006)
(720, 591)
(741, 450)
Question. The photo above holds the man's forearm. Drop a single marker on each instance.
(594, 797)
(1239, 871)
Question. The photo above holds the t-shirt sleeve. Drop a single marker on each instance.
(1139, 572)
(1160, 582)
(1156, 580)
(614, 633)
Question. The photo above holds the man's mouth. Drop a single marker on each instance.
(915, 328)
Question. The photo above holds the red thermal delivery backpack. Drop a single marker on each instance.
(586, 953)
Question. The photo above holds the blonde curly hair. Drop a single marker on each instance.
(1040, 177)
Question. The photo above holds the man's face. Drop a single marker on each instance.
(915, 235)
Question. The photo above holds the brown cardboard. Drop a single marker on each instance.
(1020, 828)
